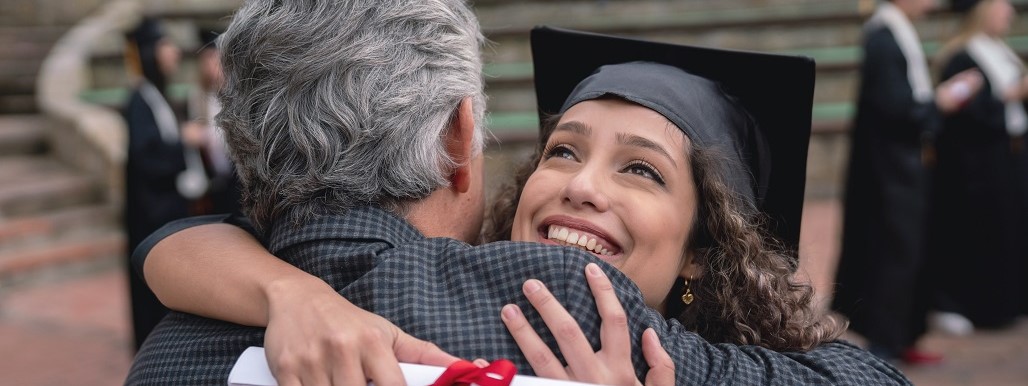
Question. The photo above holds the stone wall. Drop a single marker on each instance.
(16, 13)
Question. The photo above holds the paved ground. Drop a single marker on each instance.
(74, 330)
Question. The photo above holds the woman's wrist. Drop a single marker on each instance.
(293, 289)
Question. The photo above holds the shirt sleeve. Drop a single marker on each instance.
(140, 253)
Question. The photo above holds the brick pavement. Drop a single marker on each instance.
(74, 330)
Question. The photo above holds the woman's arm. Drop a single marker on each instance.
(222, 272)
(314, 336)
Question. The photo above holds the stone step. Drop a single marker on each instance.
(41, 187)
(650, 15)
(18, 104)
(34, 230)
(21, 135)
(44, 13)
(18, 169)
(75, 252)
(19, 67)
(17, 84)
(28, 42)
(697, 3)
(32, 34)
(25, 50)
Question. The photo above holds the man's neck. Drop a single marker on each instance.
(441, 215)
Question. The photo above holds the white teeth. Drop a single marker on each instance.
(566, 237)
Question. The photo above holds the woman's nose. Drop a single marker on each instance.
(586, 190)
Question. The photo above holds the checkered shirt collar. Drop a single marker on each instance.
(364, 223)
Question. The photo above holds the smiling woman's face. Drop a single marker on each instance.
(615, 180)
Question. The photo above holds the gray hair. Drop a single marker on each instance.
(333, 104)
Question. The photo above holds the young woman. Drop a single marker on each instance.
(658, 172)
(980, 178)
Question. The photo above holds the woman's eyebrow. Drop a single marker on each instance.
(575, 127)
(637, 141)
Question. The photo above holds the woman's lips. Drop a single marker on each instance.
(579, 238)
(577, 233)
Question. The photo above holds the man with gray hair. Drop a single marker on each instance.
(356, 127)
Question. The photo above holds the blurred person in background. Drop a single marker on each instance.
(881, 283)
(223, 194)
(158, 179)
(978, 215)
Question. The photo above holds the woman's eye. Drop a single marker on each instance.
(646, 171)
(560, 151)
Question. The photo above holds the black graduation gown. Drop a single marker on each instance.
(151, 200)
(978, 210)
(881, 268)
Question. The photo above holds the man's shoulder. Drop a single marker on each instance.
(437, 257)
(515, 251)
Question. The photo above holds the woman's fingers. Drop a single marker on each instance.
(572, 342)
(662, 368)
(543, 362)
(614, 325)
(294, 368)
(409, 349)
(380, 366)
(349, 373)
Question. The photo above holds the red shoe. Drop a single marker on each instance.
(915, 357)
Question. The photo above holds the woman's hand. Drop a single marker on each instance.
(612, 365)
(316, 337)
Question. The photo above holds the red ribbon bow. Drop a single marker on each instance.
(498, 373)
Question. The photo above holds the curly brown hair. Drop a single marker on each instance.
(747, 294)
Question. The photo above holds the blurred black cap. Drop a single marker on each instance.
(777, 92)
(962, 5)
(147, 33)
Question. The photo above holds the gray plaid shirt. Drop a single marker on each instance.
(450, 293)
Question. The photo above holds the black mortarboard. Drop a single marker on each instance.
(142, 50)
(962, 5)
(777, 92)
(147, 33)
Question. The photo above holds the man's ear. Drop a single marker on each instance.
(460, 145)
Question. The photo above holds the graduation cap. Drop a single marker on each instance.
(777, 91)
(147, 33)
(963, 5)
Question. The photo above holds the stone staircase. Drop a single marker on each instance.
(827, 30)
(54, 218)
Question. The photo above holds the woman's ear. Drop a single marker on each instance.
(460, 145)
(690, 270)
